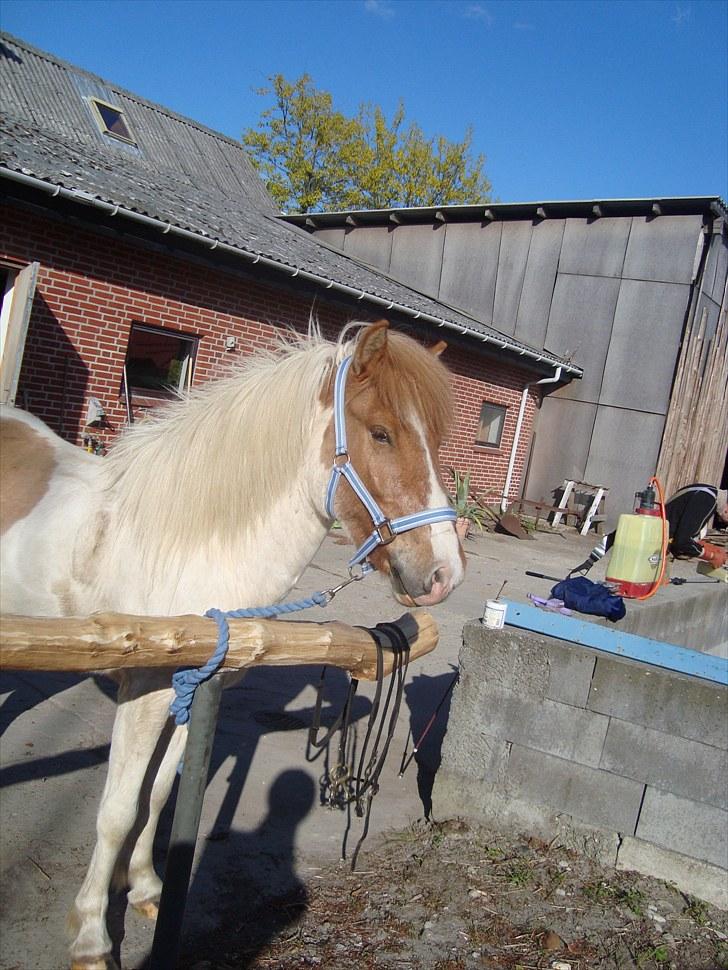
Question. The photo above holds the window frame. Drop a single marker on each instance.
(101, 122)
(158, 394)
(16, 304)
(502, 411)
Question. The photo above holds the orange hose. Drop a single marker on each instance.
(665, 539)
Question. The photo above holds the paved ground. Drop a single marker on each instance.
(262, 824)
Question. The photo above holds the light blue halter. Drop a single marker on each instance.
(385, 530)
(186, 681)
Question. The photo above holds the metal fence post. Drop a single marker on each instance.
(203, 721)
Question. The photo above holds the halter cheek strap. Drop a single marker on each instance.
(385, 530)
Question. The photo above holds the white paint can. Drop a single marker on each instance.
(494, 616)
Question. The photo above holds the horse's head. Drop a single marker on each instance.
(397, 411)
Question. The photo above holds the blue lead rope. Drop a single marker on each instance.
(186, 682)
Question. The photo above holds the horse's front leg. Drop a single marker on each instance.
(140, 718)
(145, 886)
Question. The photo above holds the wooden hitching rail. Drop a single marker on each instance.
(113, 641)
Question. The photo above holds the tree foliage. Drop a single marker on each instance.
(313, 157)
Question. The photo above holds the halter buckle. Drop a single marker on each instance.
(385, 532)
(341, 459)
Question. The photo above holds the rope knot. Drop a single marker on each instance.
(186, 682)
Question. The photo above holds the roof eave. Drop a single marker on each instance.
(493, 211)
(79, 197)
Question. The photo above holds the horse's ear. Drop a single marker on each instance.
(439, 348)
(370, 348)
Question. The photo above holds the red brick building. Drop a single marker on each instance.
(140, 255)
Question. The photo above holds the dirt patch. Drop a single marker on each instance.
(454, 896)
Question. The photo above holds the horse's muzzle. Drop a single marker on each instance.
(438, 587)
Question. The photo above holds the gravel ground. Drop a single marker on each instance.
(454, 896)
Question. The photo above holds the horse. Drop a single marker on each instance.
(175, 518)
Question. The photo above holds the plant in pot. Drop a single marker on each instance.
(468, 511)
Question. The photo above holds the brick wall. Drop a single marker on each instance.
(618, 757)
(93, 287)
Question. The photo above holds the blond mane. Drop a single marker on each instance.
(210, 465)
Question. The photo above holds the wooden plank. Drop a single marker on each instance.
(113, 641)
(610, 640)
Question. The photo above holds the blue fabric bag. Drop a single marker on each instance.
(584, 596)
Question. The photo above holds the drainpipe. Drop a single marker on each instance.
(517, 435)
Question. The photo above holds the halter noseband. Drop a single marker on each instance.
(385, 530)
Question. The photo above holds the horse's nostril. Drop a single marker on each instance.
(441, 577)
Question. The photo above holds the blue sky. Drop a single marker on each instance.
(568, 100)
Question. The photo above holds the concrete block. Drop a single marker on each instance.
(507, 659)
(689, 875)
(662, 701)
(696, 620)
(570, 674)
(525, 662)
(595, 797)
(686, 768)
(685, 826)
(454, 795)
(475, 755)
(557, 729)
(465, 747)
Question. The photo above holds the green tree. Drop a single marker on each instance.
(314, 157)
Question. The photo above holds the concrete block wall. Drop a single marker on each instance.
(624, 761)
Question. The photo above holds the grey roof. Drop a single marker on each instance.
(182, 177)
(706, 205)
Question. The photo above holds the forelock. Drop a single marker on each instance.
(413, 379)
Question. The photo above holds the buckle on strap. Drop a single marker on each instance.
(386, 533)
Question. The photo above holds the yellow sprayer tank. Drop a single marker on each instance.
(636, 554)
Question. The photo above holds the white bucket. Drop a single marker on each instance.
(494, 616)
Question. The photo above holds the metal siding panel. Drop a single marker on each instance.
(470, 266)
(645, 342)
(371, 245)
(662, 248)
(623, 455)
(332, 237)
(417, 256)
(512, 258)
(558, 455)
(538, 282)
(579, 328)
(595, 247)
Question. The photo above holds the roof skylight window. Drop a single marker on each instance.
(111, 121)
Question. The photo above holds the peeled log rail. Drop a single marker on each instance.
(114, 641)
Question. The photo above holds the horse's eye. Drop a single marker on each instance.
(380, 435)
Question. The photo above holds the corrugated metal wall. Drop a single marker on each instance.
(611, 294)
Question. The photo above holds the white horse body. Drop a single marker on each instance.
(219, 501)
(91, 556)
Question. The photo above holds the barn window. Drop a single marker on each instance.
(490, 426)
(159, 362)
(111, 121)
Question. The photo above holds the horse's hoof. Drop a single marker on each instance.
(149, 908)
(95, 963)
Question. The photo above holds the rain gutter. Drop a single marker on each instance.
(111, 209)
